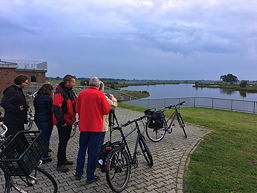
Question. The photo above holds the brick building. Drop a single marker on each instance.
(9, 70)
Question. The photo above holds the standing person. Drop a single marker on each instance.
(113, 104)
(64, 115)
(43, 115)
(91, 107)
(15, 106)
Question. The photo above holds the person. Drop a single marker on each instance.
(43, 115)
(113, 104)
(92, 105)
(64, 115)
(15, 106)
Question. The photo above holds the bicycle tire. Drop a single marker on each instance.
(73, 129)
(156, 134)
(39, 181)
(146, 151)
(117, 162)
(182, 124)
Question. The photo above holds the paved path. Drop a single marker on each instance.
(170, 157)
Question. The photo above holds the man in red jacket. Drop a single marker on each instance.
(91, 107)
(64, 115)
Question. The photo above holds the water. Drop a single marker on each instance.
(186, 90)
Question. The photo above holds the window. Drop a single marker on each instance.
(33, 78)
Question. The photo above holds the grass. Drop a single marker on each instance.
(226, 160)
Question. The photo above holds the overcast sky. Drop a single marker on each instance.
(142, 39)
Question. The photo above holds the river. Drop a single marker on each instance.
(186, 90)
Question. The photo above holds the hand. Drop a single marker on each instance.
(22, 108)
(64, 125)
(111, 97)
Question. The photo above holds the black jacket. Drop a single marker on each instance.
(43, 108)
(12, 100)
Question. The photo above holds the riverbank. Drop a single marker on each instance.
(252, 88)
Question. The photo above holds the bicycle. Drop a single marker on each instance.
(157, 125)
(20, 161)
(74, 128)
(120, 160)
(30, 118)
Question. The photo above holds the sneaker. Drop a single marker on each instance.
(62, 168)
(96, 178)
(46, 160)
(69, 163)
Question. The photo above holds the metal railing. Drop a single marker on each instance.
(207, 102)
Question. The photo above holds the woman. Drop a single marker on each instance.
(15, 106)
(43, 115)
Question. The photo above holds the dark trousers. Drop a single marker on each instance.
(46, 128)
(64, 136)
(91, 141)
(13, 128)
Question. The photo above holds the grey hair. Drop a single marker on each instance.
(94, 82)
(101, 86)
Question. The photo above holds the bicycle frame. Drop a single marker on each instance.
(132, 159)
(171, 118)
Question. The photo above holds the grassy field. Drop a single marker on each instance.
(226, 160)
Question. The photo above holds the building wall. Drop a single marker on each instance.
(7, 76)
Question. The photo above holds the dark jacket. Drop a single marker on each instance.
(64, 105)
(43, 108)
(12, 100)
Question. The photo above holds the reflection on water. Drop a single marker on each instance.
(186, 90)
(227, 91)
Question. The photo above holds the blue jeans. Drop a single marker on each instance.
(91, 141)
(46, 128)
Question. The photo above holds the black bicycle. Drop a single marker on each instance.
(120, 160)
(20, 160)
(157, 125)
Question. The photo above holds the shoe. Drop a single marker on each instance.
(46, 160)
(69, 163)
(77, 177)
(96, 178)
(62, 168)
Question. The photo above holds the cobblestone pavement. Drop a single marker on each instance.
(170, 157)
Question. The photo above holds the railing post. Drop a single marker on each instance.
(212, 103)
(231, 105)
(194, 102)
(254, 107)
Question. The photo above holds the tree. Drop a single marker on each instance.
(229, 78)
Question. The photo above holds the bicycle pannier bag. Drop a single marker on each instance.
(156, 119)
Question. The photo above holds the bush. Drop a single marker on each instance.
(243, 83)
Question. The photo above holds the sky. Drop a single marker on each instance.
(133, 39)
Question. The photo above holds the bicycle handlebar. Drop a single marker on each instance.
(130, 122)
(172, 106)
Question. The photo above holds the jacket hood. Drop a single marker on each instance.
(12, 87)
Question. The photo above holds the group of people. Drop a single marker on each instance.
(59, 108)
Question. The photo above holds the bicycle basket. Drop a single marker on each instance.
(22, 154)
(155, 119)
(105, 150)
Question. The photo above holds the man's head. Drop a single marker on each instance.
(94, 82)
(21, 81)
(69, 81)
(101, 86)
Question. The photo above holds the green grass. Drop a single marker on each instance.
(226, 160)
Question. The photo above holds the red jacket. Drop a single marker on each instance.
(64, 105)
(91, 107)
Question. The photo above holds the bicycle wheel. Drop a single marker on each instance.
(39, 181)
(156, 134)
(117, 169)
(146, 152)
(182, 124)
(73, 129)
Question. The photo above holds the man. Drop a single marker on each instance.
(15, 105)
(64, 115)
(91, 107)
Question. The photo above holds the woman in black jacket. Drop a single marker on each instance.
(15, 106)
(43, 115)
